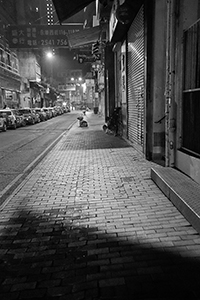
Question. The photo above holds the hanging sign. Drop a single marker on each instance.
(30, 36)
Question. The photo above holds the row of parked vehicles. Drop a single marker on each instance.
(13, 118)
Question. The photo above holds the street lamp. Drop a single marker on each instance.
(50, 57)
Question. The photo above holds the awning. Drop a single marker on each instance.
(35, 84)
(67, 8)
(84, 37)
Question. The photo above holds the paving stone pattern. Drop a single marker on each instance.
(89, 223)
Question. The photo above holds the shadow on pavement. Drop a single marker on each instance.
(84, 139)
(52, 256)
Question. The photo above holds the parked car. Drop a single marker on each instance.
(52, 111)
(3, 125)
(11, 121)
(67, 109)
(55, 111)
(59, 110)
(20, 120)
(35, 115)
(41, 113)
(28, 115)
(48, 112)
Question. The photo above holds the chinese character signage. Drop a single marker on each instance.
(30, 36)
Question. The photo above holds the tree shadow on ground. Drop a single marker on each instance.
(49, 256)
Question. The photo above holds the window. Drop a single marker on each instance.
(191, 91)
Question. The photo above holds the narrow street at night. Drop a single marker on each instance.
(100, 149)
(89, 223)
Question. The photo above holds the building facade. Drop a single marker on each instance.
(22, 83)
(10, 81)
(156, 67)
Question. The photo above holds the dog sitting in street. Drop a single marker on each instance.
(82, 122)
(107, 128)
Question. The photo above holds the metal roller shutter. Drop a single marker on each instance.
(136, 74)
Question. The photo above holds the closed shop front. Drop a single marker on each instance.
(136, 81)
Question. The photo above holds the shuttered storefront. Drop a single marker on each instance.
(135, 81)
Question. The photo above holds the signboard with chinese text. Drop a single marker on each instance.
(30, 36)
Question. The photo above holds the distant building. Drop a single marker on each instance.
(10, 80)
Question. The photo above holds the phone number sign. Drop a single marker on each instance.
(38, 36)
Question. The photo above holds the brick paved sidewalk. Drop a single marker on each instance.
(89, 223)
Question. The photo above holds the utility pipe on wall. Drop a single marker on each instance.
(169, 87)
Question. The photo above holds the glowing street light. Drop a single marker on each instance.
(49, 54)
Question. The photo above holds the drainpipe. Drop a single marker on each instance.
(169, 87)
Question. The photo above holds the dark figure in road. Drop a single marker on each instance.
(112, 123)
(116, 119)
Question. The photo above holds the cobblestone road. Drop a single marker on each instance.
(89, 223)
